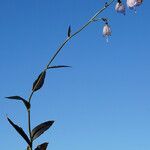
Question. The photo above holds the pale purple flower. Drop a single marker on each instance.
(120, 7)
(132, 4)
(106, 31)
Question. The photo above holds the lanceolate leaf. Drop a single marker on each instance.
(38, 83)
(105, 20)
(26, 103)
(42, 146)
(56, 67)
(69, 31)
(40, 129)
(20, 131)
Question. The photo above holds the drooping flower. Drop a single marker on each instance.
(120, 7)
(132, 4)
(106, 31)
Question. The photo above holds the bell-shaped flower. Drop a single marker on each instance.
(132, 4)
(120, 7)
(106, 31)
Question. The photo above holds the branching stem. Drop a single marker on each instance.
(92, 19)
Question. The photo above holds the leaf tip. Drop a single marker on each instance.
(69, 31)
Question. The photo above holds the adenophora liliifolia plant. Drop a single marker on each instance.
(38, 83)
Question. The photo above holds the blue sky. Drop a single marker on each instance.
(103, 101)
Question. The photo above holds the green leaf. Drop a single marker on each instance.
(42, 146)
(69, 31)
(40, 129)
(26, 103)
(38, 83)
(20, 131)
(105, 20)
(60, 66)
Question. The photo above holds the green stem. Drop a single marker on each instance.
(92, 19)
(78, 31)
(29, 120)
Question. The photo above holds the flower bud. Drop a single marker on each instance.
(120, 8)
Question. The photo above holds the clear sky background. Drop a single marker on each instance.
(103, 101)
